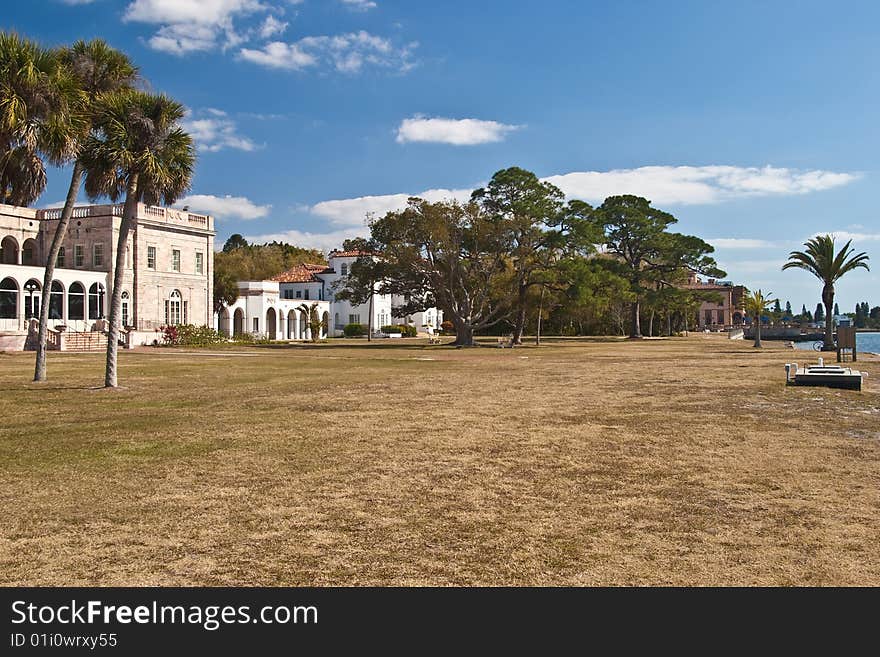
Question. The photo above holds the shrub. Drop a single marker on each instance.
(408, 331)
(447, 327)
(354, 330)
(189, 335)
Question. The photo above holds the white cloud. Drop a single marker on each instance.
(353, 211)
(686, 185)
(347, 53)
(741, 267)
(309, 240)
(272, 26)
(193, 25)
(77, 2)
(213, 131)
(224, 207)
(360, 5)
(739, 243)
(662, 185)
(206, 12)
(459, 132)
(845, 236)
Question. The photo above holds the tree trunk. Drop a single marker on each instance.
(635, 325)
(540, 311)
(464, 334)
(651, 325)
(370, 318)
(757, 332)
(129, 215)
(520, 325)
(45, 297)
(828, 300)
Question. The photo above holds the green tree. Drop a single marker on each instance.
(836, 310)
(97, 70)
(756, 304)
(235, 241)
(636, 234)
(140, 153)
(819, 315)
(537, 231)
(788, 311)
(444, 254)
(359, 286)
(37, 103)
(820, 259)
(225, 289)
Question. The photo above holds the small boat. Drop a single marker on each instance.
(830, 376)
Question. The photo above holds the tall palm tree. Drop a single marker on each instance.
(819, 258)
(36, 99)
(141, 154)
(98, 70)
(756, 304)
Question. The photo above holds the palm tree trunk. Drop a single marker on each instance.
(828, 300)
(758, 332)
(129, 213)
(51, 258)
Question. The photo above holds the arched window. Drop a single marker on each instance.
(8, 299)
(31, 292)
(96, 301)
(8, 251)
(76, 301)
(29, 252)
(172, 308)
(125, 300)
(56, 301)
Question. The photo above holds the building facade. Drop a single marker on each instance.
(725, 310)
(262, 304)
(168, 274)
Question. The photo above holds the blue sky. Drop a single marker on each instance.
(754, 123)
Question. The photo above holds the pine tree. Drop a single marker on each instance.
(819, 315)
(788, 312)
(836, 310)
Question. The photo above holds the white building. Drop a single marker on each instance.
(264, 311)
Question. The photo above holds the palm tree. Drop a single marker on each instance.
(141, 154)
(36, 97)
(98, 70)
(756, 304)
(820, 259)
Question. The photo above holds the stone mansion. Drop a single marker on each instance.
(168, 278)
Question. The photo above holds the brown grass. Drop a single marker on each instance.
(683, 461)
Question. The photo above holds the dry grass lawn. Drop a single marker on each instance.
(683, 461)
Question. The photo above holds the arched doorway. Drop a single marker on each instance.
(76, 302)
(291, 324)
(56, 301)
(238, 322)
(271, 324)
(223, 322)
(29, 252)
(126, 299)
(325, 325)
(8, 299)
(32, 295)
(96, 301)
(9, 251)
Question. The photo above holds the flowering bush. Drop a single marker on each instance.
(189, 335)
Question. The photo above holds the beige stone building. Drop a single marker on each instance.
(168, 270)
(725, 310)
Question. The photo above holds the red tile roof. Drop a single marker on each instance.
(302, 274)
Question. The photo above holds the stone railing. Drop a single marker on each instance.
(168, 215)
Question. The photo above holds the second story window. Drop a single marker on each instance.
(78, 255)
(59, 262)
(175, 260)
(344, 269)
(200, 263)
(98, 255)
(151, 257)
(307, 293)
